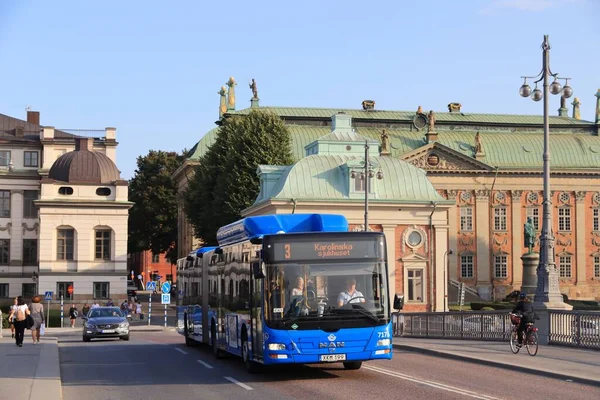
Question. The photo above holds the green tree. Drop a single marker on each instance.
(225, 181)
(153, 218)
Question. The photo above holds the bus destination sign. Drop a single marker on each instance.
(295, 250)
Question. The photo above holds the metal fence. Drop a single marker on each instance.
(575, 328)
(570, 328)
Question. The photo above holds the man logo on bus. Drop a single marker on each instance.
(331, 337)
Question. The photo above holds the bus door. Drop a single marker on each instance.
(256, 302)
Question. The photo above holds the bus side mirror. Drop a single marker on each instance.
(398, 302)
(258, 270)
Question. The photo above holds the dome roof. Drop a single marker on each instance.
(84, 166)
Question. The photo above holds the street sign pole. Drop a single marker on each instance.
(62, 305)
(165, 315)
(149, 309)
(48, 297)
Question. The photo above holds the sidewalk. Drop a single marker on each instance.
(29, 372)
(553, 361)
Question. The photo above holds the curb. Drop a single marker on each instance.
(498, 364)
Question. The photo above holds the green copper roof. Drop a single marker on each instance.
(202, 146)
(453, 117)
(320, 177)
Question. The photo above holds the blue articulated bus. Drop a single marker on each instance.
(289, 288)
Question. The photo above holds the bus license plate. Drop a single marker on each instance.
(333, 357)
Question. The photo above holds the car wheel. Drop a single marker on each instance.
(126, 337)
(86, 339)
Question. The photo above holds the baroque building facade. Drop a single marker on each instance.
(64, 212)
(489, 167)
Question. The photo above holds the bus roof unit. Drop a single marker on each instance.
(257, 227)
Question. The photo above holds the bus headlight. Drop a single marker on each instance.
(383, 342)
(277, 346)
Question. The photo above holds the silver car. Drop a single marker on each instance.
(105, 322)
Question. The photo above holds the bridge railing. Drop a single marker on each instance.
(575, 328)
(569, 328)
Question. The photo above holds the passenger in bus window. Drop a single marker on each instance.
(350, 295)
(299, 289)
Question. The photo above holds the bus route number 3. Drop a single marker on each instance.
(288, 251)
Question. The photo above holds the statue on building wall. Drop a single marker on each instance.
(254, 89)
(431, 118)
(529, 234)
(478, 144)
(385, 143)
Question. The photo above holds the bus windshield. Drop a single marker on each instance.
(326, 295)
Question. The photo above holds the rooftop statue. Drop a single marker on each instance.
(254, 89)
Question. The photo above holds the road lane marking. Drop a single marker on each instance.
(207, 365)
(436, 385)
(100, 365)
(230, 379)
(181, 351)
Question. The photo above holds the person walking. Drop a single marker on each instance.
(138, 310)
(19, 316)
(73, 313)
(37, 313)
(85, 310)
(11, 321)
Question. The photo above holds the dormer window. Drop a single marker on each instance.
(103, 191)
(65, 190)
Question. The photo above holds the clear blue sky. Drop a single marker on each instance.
(152, 69)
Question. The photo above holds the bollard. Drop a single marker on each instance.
(0, 323)
(149, 309)
(165, 315)
(62, 304)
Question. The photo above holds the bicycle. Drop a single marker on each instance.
(531, 336)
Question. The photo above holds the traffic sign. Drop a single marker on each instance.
(70, 289)
(151, 285)
(165, 298)
(166, 287)
(48, 296)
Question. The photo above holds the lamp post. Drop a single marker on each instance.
(446, 253)
(547, 289)
(366, 175)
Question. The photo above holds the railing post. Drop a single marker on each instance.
(444, 325)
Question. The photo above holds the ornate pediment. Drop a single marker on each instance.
(437, 157)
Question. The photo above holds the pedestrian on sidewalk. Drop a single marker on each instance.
(95, 305)
(138, 310)
(85, 310)
(73, 313)
(37, 313)
(110, 303)
(20, 320)
(11, 321)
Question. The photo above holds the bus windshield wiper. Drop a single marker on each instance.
(361, 311)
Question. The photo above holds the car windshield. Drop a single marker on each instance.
(309, 295)
(105, 312)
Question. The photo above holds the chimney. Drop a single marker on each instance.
(48, 133)
(563, 111)
(19, 131)
(84, 144)
(454, 107)
(33, 117)
(110, 133)
(576, 109)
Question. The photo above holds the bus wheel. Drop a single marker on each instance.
(251, 366)
(352, 364)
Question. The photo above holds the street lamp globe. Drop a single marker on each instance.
(353, 174)
(555, 87)
(380, 174)
(371, 173)
(567, 91)
(525, 90)
(537, 95)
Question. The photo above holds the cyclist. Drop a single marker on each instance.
(525, 308)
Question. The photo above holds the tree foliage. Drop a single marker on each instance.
(225, 182)
(153, 217)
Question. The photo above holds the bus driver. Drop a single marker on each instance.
(350, 295)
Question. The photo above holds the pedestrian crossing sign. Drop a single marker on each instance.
(48, 296)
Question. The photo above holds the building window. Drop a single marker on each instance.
(4, 251)
(500, 219)
(155, 258)
(4, 158)
(104, 191)
(466, 219)
(596, 267)
(564, 219)
(4, 203)
(564, 265)
(62, 289)
(28, 290)
(415, 285)
(359, 183)
(534, 214)
(64, 244)
(29, 209)
(30, 251)
(101, 290)
(31, 159)
(466, 266)
(596, 219)
(103, 245)
(3, 290)
(500, 267)
(65, 190)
